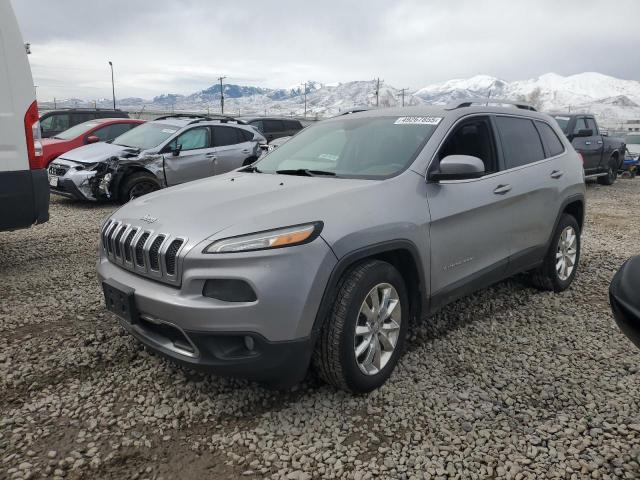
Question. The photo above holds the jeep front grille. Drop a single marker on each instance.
(143, 251)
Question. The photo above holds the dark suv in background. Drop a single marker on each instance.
(274, 127)
(57, 121)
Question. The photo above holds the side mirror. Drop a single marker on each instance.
(583, 132)
(458, 167)
(93, 139)
(176, 151)
(624, 299)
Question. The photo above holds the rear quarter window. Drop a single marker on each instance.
(552, 144)
(272, 125)
(521, 143)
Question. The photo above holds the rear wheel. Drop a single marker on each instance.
(137, 185)
(612, 173)
(561, 262)
(364, 335)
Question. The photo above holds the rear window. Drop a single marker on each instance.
(563, 122)
(521, 143)
(552, 143)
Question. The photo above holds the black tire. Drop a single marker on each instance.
(138, 184)
(612, 173)
(546, 276)
(248, 161)
(334, 357)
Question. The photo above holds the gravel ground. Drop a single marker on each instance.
(508, 383)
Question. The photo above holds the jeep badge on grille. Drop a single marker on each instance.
(149, 219)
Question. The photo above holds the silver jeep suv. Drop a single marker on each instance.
(324, 250)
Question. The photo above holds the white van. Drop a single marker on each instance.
(24, 191)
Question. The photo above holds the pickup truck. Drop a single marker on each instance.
(602, 155)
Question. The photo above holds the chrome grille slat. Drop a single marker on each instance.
(145, 252)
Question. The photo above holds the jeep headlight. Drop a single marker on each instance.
(278, 238)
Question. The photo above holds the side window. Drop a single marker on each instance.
(580, 125)
(193, 139)
(223, 136)
(101, 133)
(118, 129)
(473, 137)
(247, 136)
(82, 117)
(591, 124)
(552, 144)
(273, 125)
(521, 143)
(55, 123)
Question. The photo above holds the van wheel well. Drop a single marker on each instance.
(576, 210)
(404, 262)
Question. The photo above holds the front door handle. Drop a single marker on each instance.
(246, 150)
(211, 155)
(502, 189)
(557, 174)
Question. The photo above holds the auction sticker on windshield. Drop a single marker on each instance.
(418, 121)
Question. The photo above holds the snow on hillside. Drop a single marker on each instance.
(613, 99)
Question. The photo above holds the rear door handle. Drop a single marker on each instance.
(211, 155)
(599, 142)
(557, 174)
(502, 189)
(246, 150)
(587, 143)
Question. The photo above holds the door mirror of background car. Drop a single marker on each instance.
(458, 167)
(624, 299)
(93, 139)
(176, 150)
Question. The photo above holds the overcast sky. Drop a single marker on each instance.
(181, 46)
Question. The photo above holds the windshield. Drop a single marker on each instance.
(563, 122)
(369, 147)
(632, 140)
(147, 135)
(76, 131)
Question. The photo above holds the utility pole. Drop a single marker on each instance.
(113, 86)
(377, 91)
(305, 99)
(221, 95)
(35, 91)
(55, 105)
(402, 90)
(488, 98)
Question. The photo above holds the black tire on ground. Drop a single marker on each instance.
(546, 276)
(249, 161)
(612, 173)
(334, 357)
(138, 184)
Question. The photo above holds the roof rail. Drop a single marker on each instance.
(182, 115)
(492, 101)
(221, 119)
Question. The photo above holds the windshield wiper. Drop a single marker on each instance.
(306, 172)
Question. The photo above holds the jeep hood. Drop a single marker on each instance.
(94, 152)
(241, 203)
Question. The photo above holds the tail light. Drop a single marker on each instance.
(32, 135)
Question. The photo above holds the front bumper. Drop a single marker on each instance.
(184, 325)
(72, 183)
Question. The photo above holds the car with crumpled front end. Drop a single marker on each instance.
(324, 250)
(167, 151)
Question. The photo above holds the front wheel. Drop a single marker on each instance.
(561, 262)
(364, 334)
(612, 173)
(137, 185)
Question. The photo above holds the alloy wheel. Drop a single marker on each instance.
(377, 328)
(566, 253)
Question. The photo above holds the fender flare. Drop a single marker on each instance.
(354, 257)
(571, 199)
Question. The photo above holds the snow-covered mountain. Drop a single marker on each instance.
(612, 99)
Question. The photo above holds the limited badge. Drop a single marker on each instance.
(418, 121)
